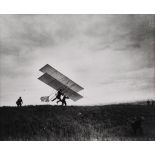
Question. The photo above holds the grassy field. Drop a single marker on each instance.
(45, 122)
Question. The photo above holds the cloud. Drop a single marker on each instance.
(123, 32)
(23, 35)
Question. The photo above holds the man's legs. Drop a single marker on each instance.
(59, 100)
(65, 103)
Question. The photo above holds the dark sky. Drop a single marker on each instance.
(111, 56)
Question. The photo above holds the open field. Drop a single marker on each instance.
(45, 122)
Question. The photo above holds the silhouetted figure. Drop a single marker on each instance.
(137, 125)
(148, 102)
(152, 102)
(19, 102)
(58, 96)
(64, 100)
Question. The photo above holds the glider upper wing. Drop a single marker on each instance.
(61, 78)
(56, 84)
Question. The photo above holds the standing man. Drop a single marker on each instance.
(19, 102)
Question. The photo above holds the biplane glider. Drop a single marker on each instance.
(58, 81)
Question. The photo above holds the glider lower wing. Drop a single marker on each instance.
(56, 84)
(61, 78)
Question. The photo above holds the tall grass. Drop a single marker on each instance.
(111, 122)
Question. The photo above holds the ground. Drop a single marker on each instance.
(46, 122)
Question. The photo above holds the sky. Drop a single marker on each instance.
(111, 56)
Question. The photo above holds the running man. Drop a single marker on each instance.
(58, 96)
